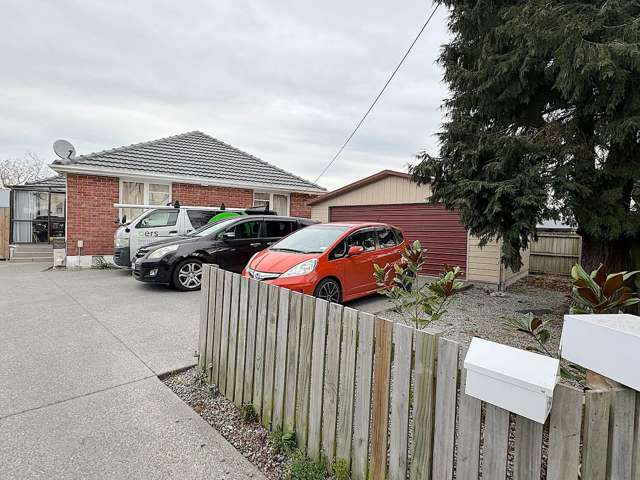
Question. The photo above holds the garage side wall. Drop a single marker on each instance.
(384, 191)
(483, 263)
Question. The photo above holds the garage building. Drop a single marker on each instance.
(391, 197)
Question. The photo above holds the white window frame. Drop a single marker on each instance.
(145, 190)
(271, 194)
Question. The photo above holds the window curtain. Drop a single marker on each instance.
(280, 204)
(132, 193)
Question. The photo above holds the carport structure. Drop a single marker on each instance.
(391, 197)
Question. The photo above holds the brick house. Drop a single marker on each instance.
(192, 168)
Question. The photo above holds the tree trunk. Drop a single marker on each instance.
(615, 255)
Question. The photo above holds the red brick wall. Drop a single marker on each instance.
(188, 194)
(90, 213)
(298, 206)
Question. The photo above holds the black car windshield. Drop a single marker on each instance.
(213, 228)
(313, 239)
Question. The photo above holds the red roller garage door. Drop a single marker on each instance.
(438, 229)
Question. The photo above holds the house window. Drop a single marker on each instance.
(277, 202)
(142, 193)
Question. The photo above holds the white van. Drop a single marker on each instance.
(156, 223)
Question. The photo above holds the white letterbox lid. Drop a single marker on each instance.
(608, 344)
(528, 370)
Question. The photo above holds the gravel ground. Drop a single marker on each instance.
(480, 312)
(250, 439)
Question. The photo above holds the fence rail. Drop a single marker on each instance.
(555, 252)
(386, 398)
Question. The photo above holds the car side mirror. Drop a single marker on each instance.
(355, 250)
(228, 236)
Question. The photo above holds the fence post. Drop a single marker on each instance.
(317, 379)
(331, 380)
(293, 359)
(468, 458)
(445, 424)
(596, 435)
(381, 386)
(204, 317)
(424, 397)
(621, 430)
(565, 426)
(347, 384)
(364, 377)
(399, 428)
(304, 370)
(252, 316)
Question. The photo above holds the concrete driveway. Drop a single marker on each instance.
(79, 396)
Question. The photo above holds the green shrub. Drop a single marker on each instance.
(248, 413)
(341, 470)
(284, 442)
(421, 304)
(199, 377)
(302, 467)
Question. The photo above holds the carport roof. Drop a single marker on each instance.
(55, 183)
(190, 158)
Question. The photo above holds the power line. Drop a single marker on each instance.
(373, 104)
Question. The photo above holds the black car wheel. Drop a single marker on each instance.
(329, 290)
(187, 275)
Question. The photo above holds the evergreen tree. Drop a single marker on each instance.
(543, 122)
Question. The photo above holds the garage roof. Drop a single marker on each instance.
(359, 184)
(193, 155)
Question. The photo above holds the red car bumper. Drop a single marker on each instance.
(304, 284)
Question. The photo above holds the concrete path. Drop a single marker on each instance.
(79, 396)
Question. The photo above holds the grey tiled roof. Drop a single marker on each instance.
(56, 182)
(193, 154)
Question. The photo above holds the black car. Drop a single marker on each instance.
(229, 244)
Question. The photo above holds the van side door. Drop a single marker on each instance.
(158, 224)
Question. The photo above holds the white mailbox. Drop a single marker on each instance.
(606, 344)
(519, 381)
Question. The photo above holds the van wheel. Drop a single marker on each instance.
(187, 275)
(329, 290)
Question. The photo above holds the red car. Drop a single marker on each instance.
(333, 261)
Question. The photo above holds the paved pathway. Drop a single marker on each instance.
(79, 396)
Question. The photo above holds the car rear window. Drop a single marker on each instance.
(278, 228)
(386, 238)
(363, 238)
(399, 235)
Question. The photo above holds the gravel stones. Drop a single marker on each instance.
(250, 439)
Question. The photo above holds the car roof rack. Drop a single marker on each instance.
(263, 210)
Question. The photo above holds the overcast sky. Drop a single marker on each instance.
(284, 80)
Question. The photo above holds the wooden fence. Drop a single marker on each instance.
(4, 233)
(555, 252)
(385, 397)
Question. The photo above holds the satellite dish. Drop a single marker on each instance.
(64, 149)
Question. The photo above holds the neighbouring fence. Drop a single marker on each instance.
(386, 398)
(555, 252)
(4, 233)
